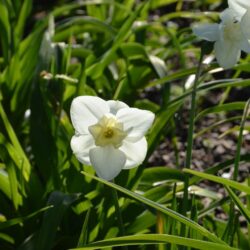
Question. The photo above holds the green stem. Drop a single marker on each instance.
(190, 141)
(190, 134)
(239, 143)
(118, 213)
(232, 217)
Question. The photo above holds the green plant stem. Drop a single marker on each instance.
(190, 141)
(190, 134)
(239, 143)
(118, 213)
(231, 226)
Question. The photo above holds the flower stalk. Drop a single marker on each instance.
(118, 213)
(230, 229)
(191, 131)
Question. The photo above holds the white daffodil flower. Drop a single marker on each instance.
(230, 36)
(109, 135)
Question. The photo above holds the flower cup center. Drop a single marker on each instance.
(108, 131)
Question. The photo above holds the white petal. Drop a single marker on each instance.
(229, 15)
(245, 24)
(80, 146)
(135, 121)
(239, 6)
(227, 53)
(245, 45)
(135, 152)
(116, 105)
(107, 161)
(209, 32)
(86, 111)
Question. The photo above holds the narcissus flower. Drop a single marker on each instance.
(230, 36)
(109, 135)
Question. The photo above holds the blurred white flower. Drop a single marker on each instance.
(230, 36)
(240, 6)
(108, 134)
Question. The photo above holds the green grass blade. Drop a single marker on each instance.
(223, 181)
(161, 208)
(158, 174)
(210, 86)
(12, 222)
(78, 25)
(5, 184)
(96, 70)
(240, 138)
(7, 238)
(71, 6)
(52, 218)
(162, 118)
(213, 206)
(212, 170)
(216, 124)
(244, 211)
(5, 30)
(24, 13)
(16, 144)
(155, 239)
(174, 76)
(133, 50)
(15, 196)
(83, 236)
(12, 177)
(145, 220)
(222, 108)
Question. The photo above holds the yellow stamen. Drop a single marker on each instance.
(109, 133)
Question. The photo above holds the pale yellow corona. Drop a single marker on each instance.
(108, 131)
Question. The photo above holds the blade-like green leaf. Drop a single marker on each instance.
(79, 25)
(5, 183)
(160, 122)
(12, 135)
(7, 238)
(240, 139)
(12, 177)
(244, 211)
(5, 30)
(83, 236)
(212, 170)
(209, 86)
(24, 13)
(223, 181)
(96, 70)
(161, 208)
(222, 108)
(52, 218)
(15, 221)
(158, 174)
(155, 239)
